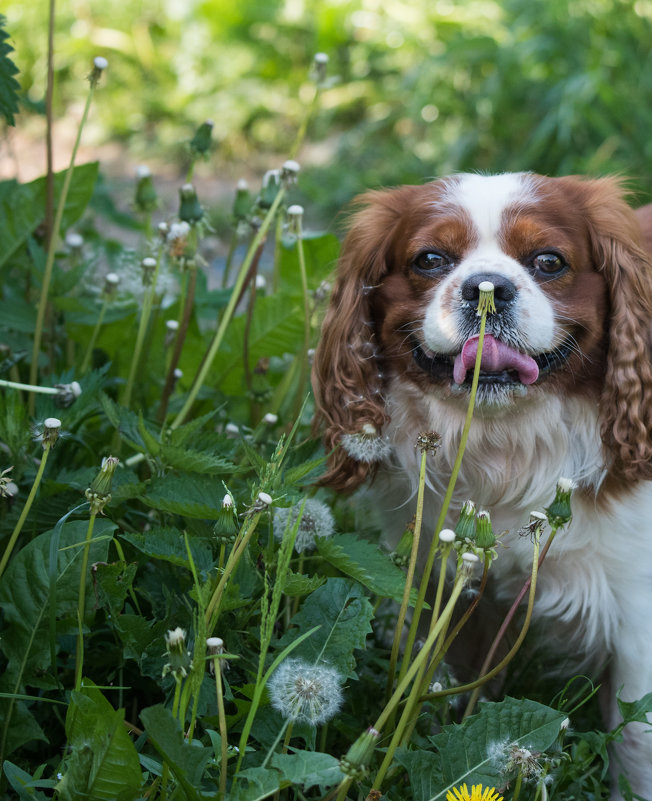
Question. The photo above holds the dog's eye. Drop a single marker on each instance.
(430, 261)
(548, 263)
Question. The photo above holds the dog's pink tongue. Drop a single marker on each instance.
(496, 357)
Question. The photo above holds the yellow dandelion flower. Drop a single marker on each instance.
(476, 794)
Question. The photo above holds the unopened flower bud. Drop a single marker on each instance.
(215, 647)
(175, 644)
(226, 526)
(74, 241)
(269, 189)
(264, 499)
(99, 492)
(171, 329)
(289, 172)
(320, 68)
(145, 197)
(559, 512)
(51, 429)
(111, 281)
(356, 760)
(295, 217)
(67, 394)
(99, 65)
(200, 144)
(190, 209)
(270, 419)
(485, 537)
(148, 267)
(467, 525)
(242, 201)
(401, 554)
(446, 535)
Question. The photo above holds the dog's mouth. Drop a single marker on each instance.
(501, 364)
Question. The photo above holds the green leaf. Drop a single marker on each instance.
(167, 544)
(471, 752)
(24, 784)
(195, 461)
(261, 783)
(298, 584)
(113, 582)
(320, 252)
(103, 763)
(22, 205)
(192, 496)
(186, 761)
(309, 768)
(636, 710)
(364, 562)
(344, 615)
(9, 86)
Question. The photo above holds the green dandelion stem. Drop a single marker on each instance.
(229, 311)
(28, 387)
(81, 603)
(23, 515)
(221, 715)
(91, 344)
(52, 247)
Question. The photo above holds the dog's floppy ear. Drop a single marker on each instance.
(347, 368)
(626, 403)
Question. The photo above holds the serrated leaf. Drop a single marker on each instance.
(195, 461)
(9, 86)
(104, 763)
(21, 205)
(470, 752)
(636, 710)
(113, 582)
(168, 545)
(192, 496)
(344, 615)
(186, 761)
(297, 584)
(309, 768)
(366, 563)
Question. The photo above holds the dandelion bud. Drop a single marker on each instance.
(401, 555)
(270, 419)
(295, 216)
(559, 512)
(320, 68)
(67, 394)
(163, 230)
(200, 144)
(269, 189)
(145, 197)
(74, 241)
(111, 281)
(51, 429)
(231, 430)
(215, 647)
(289, 172)
(148, 267)
(171, 328)
(469, 561)
(485, 537)
(446, 535)
(175, 644)
(241, 202)
(467, 524)
(486, 300)
(354, 763)
(225, 526)
(264, 499)
(99, 65)
(316, 521)
(190, 209)
(99, 492)
(305, 693)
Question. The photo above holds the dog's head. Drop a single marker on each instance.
(573, 294)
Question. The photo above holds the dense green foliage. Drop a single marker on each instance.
(116, 577)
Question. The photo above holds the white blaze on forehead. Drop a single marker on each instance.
(485, 198)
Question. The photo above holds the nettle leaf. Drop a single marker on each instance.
(344, 615)
(195, 461)
(103, 762)
(298, 584)
(113, 582)
(366, 563)
(192, 496)
(168, 545)
(21, 205)
(471, 752)
(9, 86)
(186, 761)
(309, 768)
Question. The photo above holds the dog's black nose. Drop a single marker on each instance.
(504, 289)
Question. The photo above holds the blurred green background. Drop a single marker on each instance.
(420, 87)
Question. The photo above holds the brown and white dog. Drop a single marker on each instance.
(565, 389)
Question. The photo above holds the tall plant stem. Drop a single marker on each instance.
(52, 247)
(219, 692)
(23, 515)
(81, 603)
(229, 311)
(49, 118)
(91, 344)
(303, 371)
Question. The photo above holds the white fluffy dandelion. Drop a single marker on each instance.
(305, 693)
(316, 521)
(366, 445)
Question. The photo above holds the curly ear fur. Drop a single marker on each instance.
(347, 369)
(626, 403)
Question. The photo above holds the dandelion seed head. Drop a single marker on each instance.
(316, 521)
(366, 445)
(305, 693)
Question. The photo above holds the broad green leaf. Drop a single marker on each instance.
(192, 496)
(298, 584)
(260, 783)
(309, 768)
(22, 205)
(194, 461)
(113, 582)
(471, 752)
(24, 784)
(168, 545)
(320, 252)
(103, 763)
(364, 562)
(344, 615)
(9, 86)
(186, 761)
